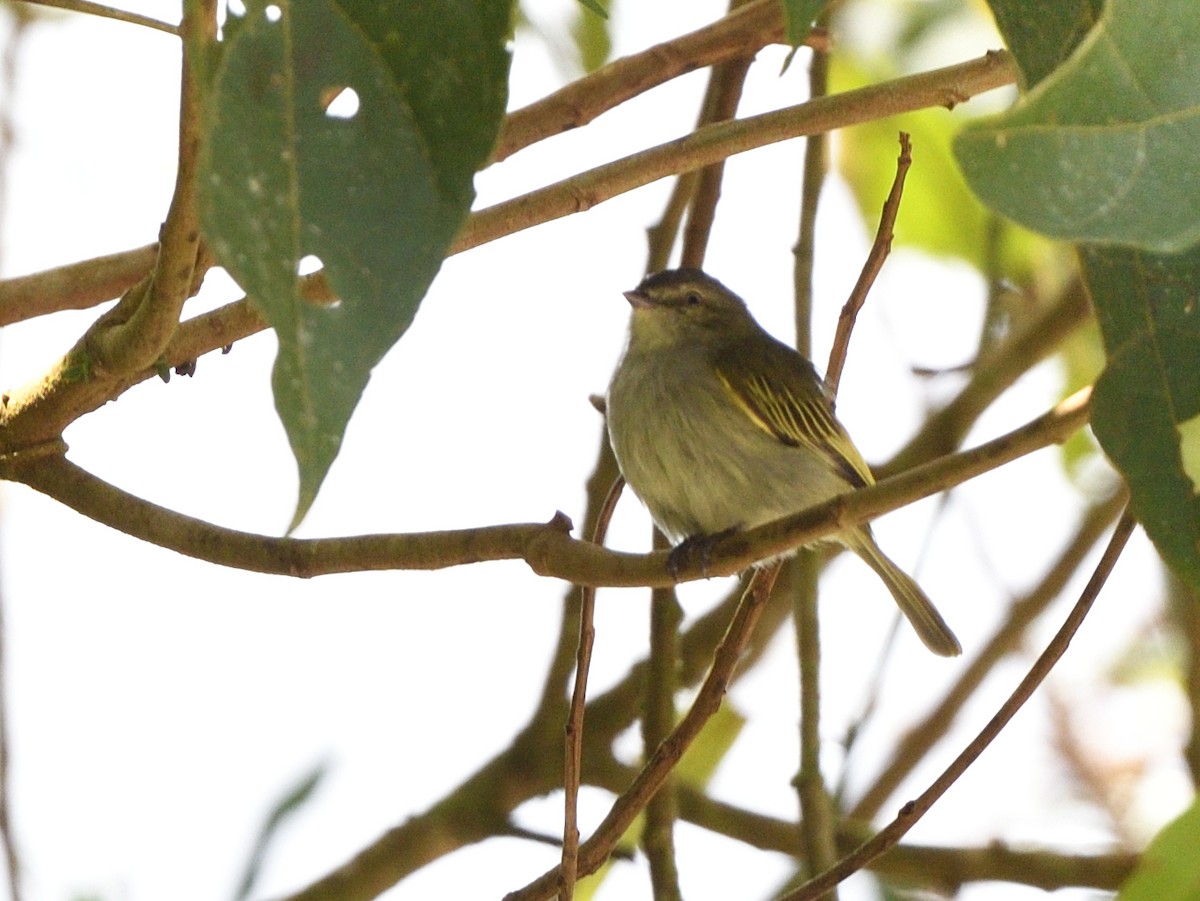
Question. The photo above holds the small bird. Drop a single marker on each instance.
(717, 426)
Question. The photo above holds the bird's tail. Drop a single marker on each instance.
(912, 601)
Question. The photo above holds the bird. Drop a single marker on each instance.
(718, 427)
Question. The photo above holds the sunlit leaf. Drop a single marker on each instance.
(345, 133)
(938, 214)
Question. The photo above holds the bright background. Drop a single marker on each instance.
(159, 706)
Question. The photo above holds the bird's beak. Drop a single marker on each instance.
(637, 298)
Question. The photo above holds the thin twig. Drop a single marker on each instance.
(573, 744)
(912, 812)
(108, 12)
(811, 183)
(818, 817)
(597, 848)
(880, 249)
(658, 718)
(925, 734)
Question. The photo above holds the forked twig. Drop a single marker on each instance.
(912, 812)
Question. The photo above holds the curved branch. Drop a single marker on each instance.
(547, 548)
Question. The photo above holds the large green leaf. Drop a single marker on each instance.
(375, 193)
(1146, 408)
(1167, 870)
(1146, 411)
(1103, 149)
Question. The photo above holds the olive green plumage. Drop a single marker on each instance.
(716, 425)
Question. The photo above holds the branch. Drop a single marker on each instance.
(925, 734)
(912, 812)
(132, 335)
(740, 34)
(946, 87)
(77, 286)
(547, 548)
(108, 12)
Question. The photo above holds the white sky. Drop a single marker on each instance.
(159, 705)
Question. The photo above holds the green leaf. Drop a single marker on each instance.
(596, 6)
(1100, 147)
(798, 18)
(1167, 870)
(1146, 408)
(1040, 34)
(705, 754)
(375, 193)
(592, 34)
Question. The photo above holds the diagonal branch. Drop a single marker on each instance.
(911, 812)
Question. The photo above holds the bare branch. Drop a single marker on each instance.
(948, 87)
(547, 548)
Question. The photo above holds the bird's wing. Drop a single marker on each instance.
(799, 417)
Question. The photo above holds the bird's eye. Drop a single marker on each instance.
(693, 299)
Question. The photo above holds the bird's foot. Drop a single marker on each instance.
(691, 548)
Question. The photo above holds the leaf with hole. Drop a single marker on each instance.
(347, 132)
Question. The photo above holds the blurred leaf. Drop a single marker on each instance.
(701, 760)
(1041, 35)
(374, 192)
(798, 18)
(939, 214)
(592, 34)
(1082, 357)
(1167, 870)
(596, 6)
(295, 798)
(1099, 147)
(1146, 408)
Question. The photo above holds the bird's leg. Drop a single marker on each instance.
(694, 545)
